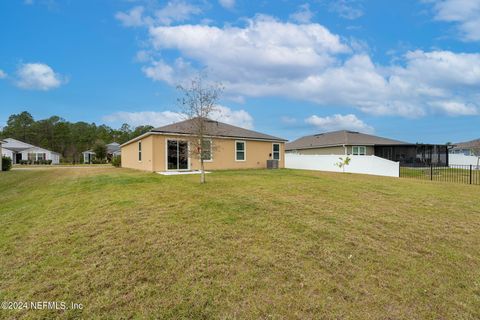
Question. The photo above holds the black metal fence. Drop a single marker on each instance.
(467, 174)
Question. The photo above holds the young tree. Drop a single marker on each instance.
(343, 163)
(198, 103)
(100, 150)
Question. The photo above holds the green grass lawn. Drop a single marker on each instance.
(250, 244)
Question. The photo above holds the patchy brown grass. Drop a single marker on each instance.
(248, 244)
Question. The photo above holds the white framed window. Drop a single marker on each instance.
(276, 151)
(207, 150)
(359, 150)
(139, 150)
(240, 151)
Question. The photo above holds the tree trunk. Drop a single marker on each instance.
(202, 172)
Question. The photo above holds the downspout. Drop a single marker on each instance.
(345, 147)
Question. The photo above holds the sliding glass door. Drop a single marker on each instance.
(177, 155)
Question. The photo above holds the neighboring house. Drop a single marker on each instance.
(20, 151)
(113, 149)
(167, 148)
(355, 143)
(469, 148)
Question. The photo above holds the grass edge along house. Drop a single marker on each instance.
(167, 148)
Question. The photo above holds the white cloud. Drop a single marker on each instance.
(153, 118)
(264, 49)
(339, 122)
(456, 108)
(303, 15)
(465, 13)
(347, 9)
(176, 11)
(38, 76)
(133, 18)
(173, 11)
(239, 118)
(3, 74)
(228, 4)
(268, 57)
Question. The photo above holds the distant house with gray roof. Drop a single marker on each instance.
(21, 152)
(469, 148)
(113, 149)
(346, 142)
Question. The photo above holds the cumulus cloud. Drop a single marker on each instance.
(264, 49)
(269, 57)
(176, 11)
(303, 15)
(239, 118)
(3, 74)
(132, 18)
(228, 4)
(153, 118)
(465, 13)
(347, 9)
(339, 122)
(173, 11)
(38, 76)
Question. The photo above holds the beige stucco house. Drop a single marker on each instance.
(168, 148)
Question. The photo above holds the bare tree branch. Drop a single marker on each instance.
(198, 103)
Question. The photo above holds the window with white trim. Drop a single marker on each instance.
(207, 150)
(240, 149)
(359, 150)
(139, 150)
(276, 151)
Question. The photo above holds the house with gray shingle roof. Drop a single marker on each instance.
(22, 152)
(113, 150)
(469, 148)
(346, 142)
(169, 148)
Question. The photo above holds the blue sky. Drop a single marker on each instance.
(405, 69)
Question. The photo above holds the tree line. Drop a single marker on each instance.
(67, 138)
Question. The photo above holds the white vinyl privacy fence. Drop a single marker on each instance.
(358, 164)
(463, 160)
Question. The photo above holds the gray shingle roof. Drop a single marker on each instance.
(474, 144)
(111, 148)
(215, 128)
(340, 138)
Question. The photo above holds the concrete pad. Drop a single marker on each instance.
(176, 173)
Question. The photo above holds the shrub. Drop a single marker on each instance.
(23, 162)
(117, 161)
(48, 162)
(6, 164)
